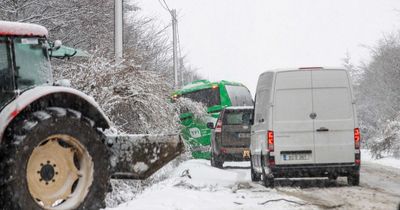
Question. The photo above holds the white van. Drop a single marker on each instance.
(305, 125)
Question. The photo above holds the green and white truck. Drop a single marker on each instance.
(215, 96)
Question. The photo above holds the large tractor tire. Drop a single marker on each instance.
(56, 160)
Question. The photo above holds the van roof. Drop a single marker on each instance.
(21, 29)
(304, 69)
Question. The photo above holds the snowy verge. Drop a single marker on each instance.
(194, 184)
(366, 156)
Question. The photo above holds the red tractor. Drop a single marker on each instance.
(53, 152)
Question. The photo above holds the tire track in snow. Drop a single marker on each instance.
(379, 189)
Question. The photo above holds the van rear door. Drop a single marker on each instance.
(334, 122)
(293, 128)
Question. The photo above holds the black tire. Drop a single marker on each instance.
(254, 176)
(332, 177)
(354, 179)
(268, 179)
(215, 162)
(28, 133)
(212, 161)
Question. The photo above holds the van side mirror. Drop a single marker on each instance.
(210, 125)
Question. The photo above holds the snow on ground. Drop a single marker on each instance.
(194, 184)
(197, 185)
(386, 161)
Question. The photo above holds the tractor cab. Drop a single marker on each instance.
(24, 59)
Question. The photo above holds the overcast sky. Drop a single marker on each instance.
(239, 39)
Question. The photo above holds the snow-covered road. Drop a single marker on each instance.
(194, 184)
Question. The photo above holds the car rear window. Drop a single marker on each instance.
(237, 117)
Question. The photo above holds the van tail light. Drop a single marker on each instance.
(218, 127)
(357, 138)
(270, 138)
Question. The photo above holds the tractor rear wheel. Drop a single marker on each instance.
(57, 160)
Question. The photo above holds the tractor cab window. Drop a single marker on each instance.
(31, 62)
(6, 81)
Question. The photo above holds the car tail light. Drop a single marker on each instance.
(357, 138)
(223, 150)
(270, 138)
(218, 127)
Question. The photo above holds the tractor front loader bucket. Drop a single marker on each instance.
(139, 156)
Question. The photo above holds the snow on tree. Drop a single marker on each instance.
(136, 101)
(378, 97)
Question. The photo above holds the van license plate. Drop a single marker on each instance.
(300, 156)
(244, 135)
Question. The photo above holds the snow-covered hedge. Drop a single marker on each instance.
(135, 101)
(387, 142)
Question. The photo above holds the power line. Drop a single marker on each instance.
(164, 5)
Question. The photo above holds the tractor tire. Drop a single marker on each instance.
(55, 160)
(254, 176)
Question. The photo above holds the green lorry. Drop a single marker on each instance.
(215, 96)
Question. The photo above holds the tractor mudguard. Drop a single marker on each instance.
(57, 96)
(139, 156)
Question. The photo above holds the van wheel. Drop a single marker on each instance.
(354, 179)
(56, 161)
(215, 162)
(268, 180)
(254, 176)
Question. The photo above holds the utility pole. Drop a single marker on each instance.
(118, 31)
(175, 45)
(182, 71)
